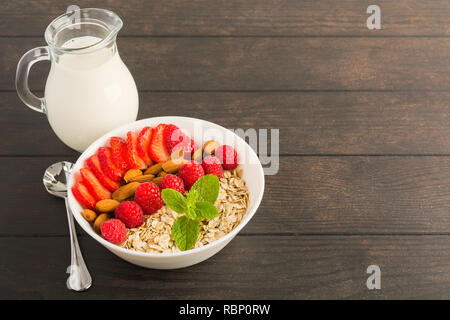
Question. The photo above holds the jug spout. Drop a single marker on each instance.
(99, 26)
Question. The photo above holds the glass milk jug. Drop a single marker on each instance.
(89, 90)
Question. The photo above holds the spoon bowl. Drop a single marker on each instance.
(55, 179)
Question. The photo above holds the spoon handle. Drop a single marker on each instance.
(79, 279)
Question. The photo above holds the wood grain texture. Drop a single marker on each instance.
(309, 195)
(259, 267)
(364, 125)
(309, 123)
(243, 64)
(241, 18)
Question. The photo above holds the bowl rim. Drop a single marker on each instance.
(164, 255)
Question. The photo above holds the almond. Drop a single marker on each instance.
(132, 173)
(143, 178)
(197, 156)
(210, 146)
(157, 180)
(155, 169)
(177, 154)
(125, 191)
(162, 174)
(89, 215)
(239, 172)
(172, 165)
(106, 205)
(100, 219)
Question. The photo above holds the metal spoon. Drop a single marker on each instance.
(55, 181)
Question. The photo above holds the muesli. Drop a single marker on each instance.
(156, 191)
(154, 234)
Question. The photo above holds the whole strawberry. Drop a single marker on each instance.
(227, 156)
(172, 182)
(130, 213)
(148, 196)
(190, 172)
(114, 231)
(212, 165)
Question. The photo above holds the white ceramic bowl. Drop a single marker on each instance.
(201, 131)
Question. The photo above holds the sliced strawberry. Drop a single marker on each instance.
(107, 164)
(143, 141)
(134, 161)
(157, 149)
(171, 136)
(93, 185)
(119, 152)
(174, 138)
(93, 163)
(81, 193)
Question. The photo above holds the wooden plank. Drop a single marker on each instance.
(260, 267)
(211, 64)
(28, 132)
(309, 195)
(309, 123)
(241, 18)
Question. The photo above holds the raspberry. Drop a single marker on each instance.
(190, 172)
(173, 182)
(130, 213)
(227, 156)
(114, 231)
(148, 196)
(212, 165)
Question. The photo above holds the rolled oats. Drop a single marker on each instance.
(155, 234)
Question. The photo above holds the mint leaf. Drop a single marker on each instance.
(190, 212)
(199, 204)
(190, 204)
(207, 188)
(205, 210)
(175, 200)
(192, 197)
(185, 232)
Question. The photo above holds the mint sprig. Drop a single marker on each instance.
(185, 232)
(199, 205)
(205, 210)
(175, 200)
(207, 188)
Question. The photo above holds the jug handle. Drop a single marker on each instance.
(23, 69)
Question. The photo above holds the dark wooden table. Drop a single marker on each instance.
(364, 140)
